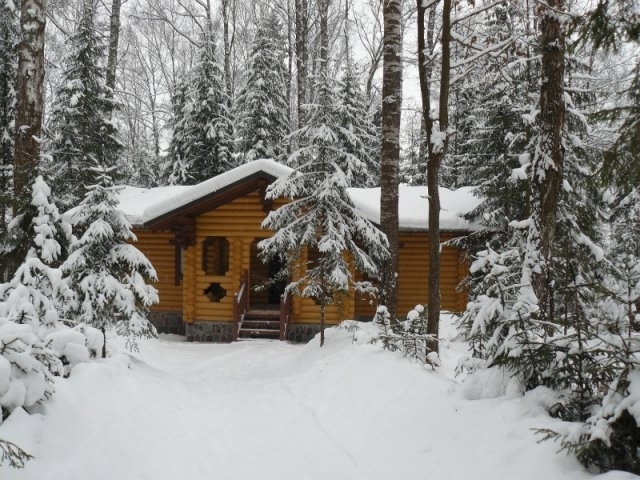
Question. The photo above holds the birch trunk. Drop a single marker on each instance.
(112, 60)
(29, 97)
(302, 55)
(390, 151)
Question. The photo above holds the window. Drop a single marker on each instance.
(215, 255)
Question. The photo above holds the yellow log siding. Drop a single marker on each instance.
(305, 310)
(161, 253)
(239, 222)
(414, 271)
(413, 278)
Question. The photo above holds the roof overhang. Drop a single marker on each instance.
(257, 181)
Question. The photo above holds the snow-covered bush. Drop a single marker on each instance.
(74, 345)
(408, 337)
(610, 438)
(27, 367)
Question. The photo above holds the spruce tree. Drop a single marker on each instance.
(108, 273)
(358, 135)
(37, 292)
(203, 129)
(321, 220)
(177, 167)
(263, 105)
(81, 134)
(30, 305)
(555, 346)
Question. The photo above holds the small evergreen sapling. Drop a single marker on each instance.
(408, 337)
(109, 275)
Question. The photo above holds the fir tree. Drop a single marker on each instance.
(320, 219)
(37, 293)
(108, 273)
(202, 143)
(177, 170)
(263, 105)
(358, 135)
(413, 166)
(556, 345)
(81, 134)
(211, 127)
(29, 307)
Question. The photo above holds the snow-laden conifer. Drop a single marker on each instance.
(551, 341)
(319, 232)
(176, 169)
(203, 131)
(30, 305)
(107, 273)
(263, 107)
(37, 292)
(357, 134)
(81, 134)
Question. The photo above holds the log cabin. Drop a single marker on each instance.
(202, 241)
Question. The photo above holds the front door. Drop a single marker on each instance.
(266, 289)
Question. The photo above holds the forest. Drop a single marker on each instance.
(535, 103)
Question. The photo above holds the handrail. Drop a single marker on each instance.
(285, 314)
(240, 304)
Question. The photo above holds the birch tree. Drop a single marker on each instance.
(390, 149)
(29, 97)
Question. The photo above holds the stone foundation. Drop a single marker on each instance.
(216, 332)
(167, 322)
(302, 333)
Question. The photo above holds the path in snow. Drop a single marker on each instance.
(274, 411)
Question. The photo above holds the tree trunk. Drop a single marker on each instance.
(437, 140)
(104, 342)
(302, 55)
(548, 163)
(29, 98)
(290, 50)
(390, 151)
(228, 81)
(112, 60)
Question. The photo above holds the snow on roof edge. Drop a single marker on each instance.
(184, 195)
(145, 205)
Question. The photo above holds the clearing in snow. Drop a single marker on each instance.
(273, 410)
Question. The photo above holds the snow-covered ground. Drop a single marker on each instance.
(271, 410)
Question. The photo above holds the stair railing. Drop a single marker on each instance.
(240, 304)
(285, 314)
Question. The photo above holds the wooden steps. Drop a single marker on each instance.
(261, 323)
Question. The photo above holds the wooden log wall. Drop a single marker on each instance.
(413, 277)
(161, 253)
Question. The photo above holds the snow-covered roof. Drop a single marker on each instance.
(413, 207)
(143, 205)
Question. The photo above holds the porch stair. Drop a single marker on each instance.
(260, 323)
